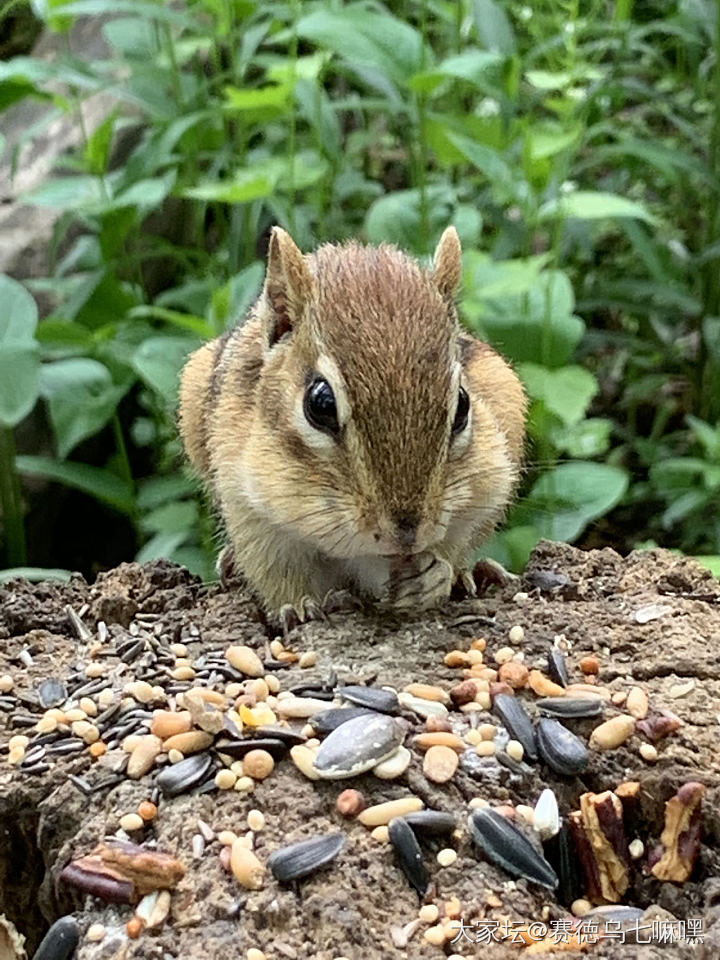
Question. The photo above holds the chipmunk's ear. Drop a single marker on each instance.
(447, 263)
(288, 286)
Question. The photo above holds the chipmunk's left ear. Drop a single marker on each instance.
(447, 263)
(288, 286)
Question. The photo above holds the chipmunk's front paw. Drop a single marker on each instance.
(334, 601)
(488, 573)
(419, 583)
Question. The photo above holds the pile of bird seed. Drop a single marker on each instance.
(176, 778)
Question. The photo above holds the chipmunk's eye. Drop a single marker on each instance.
(461, 413)
(320, 407)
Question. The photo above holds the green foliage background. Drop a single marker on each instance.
(575, 146)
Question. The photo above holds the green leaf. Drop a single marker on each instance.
(162, 545)
(534, 325)
(482, 68)
(64, 193)
(367, 38)
(569, 497)
(146, 193)
(589, 438)
(566, 392)
(98, 483)
(485, 159)
(549, 80)
(155, 491)
(246, 185)
(177, 517)
(494, 27)
(712, 563)
(706, 435)
(97, 148)
(81, 397)
(397, 218)
(158, 362)
(268, 100)
(594, 205)
(185, 321)
(549, 139)
(19, 353)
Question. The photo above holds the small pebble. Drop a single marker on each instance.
(478, 803)
(95, 933)
(245, 785)
(256, 820)
(473, 737)
(486, 748)
(435, 935)
(504, 654)
(521, 597)
(147, 810)
(446, 857)
(183, 673)
(648, 752)
(487, 731)
(255, 954)
(307, 659)
(248, 870)
(245, 660)
(590, 665)
(6, 683)
(637, 704)
(516, 634)
(543, 686)
(526, 812)
(612, 733)
(132, 822)
(619, 698)
(513, 673)
(440, 764)
(175, 756)
(226, 838)
(350, 803)
(456, 658)
(394, 766)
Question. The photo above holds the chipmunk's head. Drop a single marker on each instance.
(368, 437)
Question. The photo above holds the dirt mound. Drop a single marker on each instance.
(65, 793)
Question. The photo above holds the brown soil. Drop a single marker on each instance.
(349, 909)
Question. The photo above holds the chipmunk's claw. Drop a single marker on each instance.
(225, 566)
(489, 573)
(334, 601)
(420, 584)
(341, 601)
(464, 586)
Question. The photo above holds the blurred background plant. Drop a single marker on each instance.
(576, 148)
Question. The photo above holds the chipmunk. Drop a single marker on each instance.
(353, 437)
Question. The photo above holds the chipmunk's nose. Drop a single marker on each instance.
(406, 526)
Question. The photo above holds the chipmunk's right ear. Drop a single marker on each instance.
(288, 286)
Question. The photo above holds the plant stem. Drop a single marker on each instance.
(11, 502)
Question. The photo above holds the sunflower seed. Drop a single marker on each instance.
(374, 698)
(330, 720)
(570, 708)
(506, 846)
(276, 747)
(52, 693)
(561, 750)
(300, 859)
(557, 668)
(183, 776)
(546, 817)
(430, 822)
(60, 942)
(358, 746)
(517, 721)
(408, 854)
(562, 855)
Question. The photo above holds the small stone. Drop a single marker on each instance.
(526, 812)
(147, 810)
(350, 803)
(514, 674)
(175, 756)
(256, 820)
(382, 813)
(475, 657)
(6, 683)
(258, 764)
(307, 659)
(464, 692)
(131, 822)
(486, 748)
(245, 660)
(516, 634)
(260, 688)
(648, 752)
(97, 749)
(478, 803)
(225, 779)
(651, 612)
(95, 933)
(514, 750)
(255, 954)
(143, 756)
(429, 913)
(440, 764)
(226, 838)
(636, 848)
(300, 708)
(447, 857)
(590, 665)
(619, 698)
(473, 737)
(487, 731)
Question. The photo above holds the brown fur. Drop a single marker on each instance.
(307, 513)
